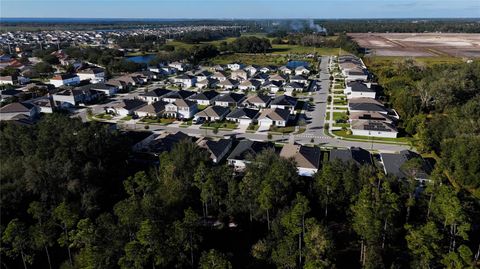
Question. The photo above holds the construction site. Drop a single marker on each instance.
(419, 44)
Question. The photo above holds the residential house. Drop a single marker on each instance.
(245, 151)
(249, 85)
(302, 70)
(262, 77)
(186, 81)
(205, 98)
(371, 116)
(213, 113)
(65, 79)
(95, 75)
(218, 149)
(272, 86)
(274, 117)
(44, 105)
(406, 164)
(373, 128)
(244, 116)
(126, 107)
(181, 109)
(228, 84)
(267, 69)
(154, 95)
(240, 75)
(285, 70)
(365, 104)
(107, 90)
(357, 89)
(307, 159)
(74, 97)
(13, 110)
(299, 79)
(252, 69)
(235, 66)
(292, 87)
(175, 95)
(284, 102)
(166, 141)
(179, 66)
(258, 101)
(207, 83)
(230, 99)
(203, 75)
(154, 109)
(356, 155)
(220, 76)
(279, 78)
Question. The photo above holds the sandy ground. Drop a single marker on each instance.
(420, 44)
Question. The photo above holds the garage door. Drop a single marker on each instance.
(244, 122)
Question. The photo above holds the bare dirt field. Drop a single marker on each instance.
(419, 44)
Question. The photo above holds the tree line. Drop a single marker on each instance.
(73, 198)
(400, 25)
(439, 107)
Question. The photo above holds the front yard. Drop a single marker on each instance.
(346, 134)
(154, 120)
(219, 125)
(283, 130)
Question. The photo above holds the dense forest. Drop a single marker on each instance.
(72, 197)
(400, 25)
(439, 106)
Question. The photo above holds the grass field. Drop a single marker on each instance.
(339, 116)
(343, 133)
(259, 59)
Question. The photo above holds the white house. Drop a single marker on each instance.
(249, 85)
(95, 75)
(213, 113)
(185, 81)
(357, 89)
(373, 128)
(181, 109)
(179, 66)
(235, 66)
(125, 107)
(271, 117)
(302, 70)
(65, 79)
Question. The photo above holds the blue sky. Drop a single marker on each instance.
(240, 8)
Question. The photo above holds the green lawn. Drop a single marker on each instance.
(343, 133)
(340, 108)
(252, 128)
(126, 118)
(339, 116)
(339, 87)
(343, 125)
(284, 130)
(339, 102)
(158, 120)
(222, 125)
(259, 59)
(201, 107)
(103, 116)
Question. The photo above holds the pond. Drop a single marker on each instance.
(295, 64)
(142, 59)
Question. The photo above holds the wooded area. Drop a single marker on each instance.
(72, 198)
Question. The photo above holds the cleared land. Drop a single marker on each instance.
(419, 44)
